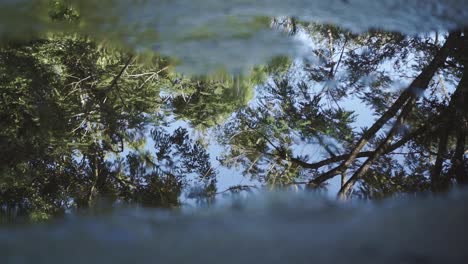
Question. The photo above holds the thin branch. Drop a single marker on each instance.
(119, 75)
(379, 151)
(238, 188)
(341, 55)
(365, 154)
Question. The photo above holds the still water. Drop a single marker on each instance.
(270, 131)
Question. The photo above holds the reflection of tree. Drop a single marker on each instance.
(398, 160)
(75, 116)
(208, 101)
(262, 137)
(157, 178)
(69, 107)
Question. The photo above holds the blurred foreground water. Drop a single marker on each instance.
(268, 228)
